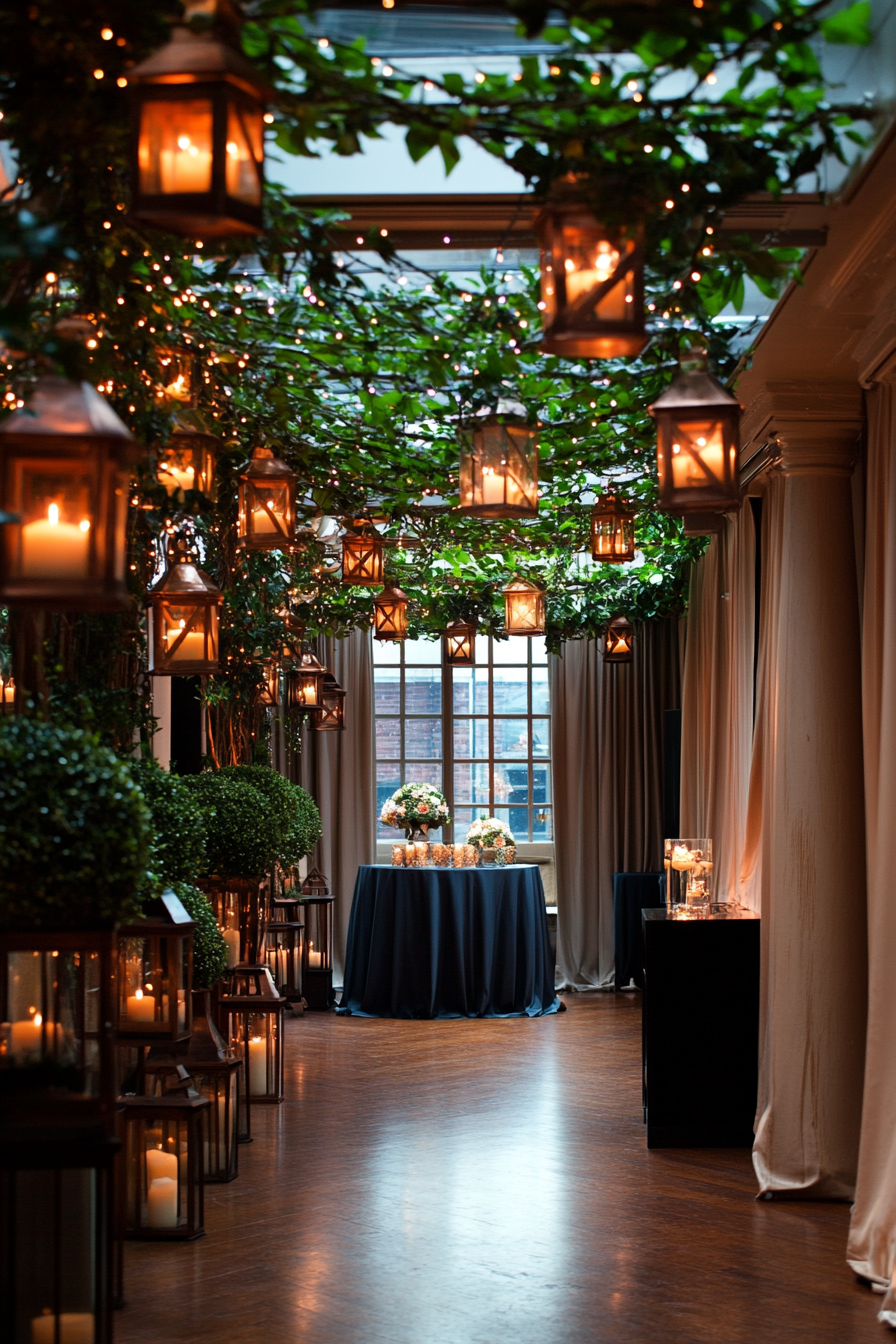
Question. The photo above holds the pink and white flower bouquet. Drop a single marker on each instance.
(415, 806)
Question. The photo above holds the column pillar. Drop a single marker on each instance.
(813, 831)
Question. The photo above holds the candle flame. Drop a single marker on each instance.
(53, 514)
(38, 1019)
(256, 1040)
(84, 525)
(183, 142)
(232, 149)
(149, 987)
(139, 994)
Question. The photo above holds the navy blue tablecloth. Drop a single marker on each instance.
(448, 942)
(632, 893)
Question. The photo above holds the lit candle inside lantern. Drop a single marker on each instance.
(707, 446)
(25, 1037)
(314, 958)
(191, 649)
(232, 939)
(161, 1201)
(588, 278)
(492, 486)
(177, 478)
(682, 859)
(187, 168)
(262, 522)
(258, 1067)
(9, 692)
(75, 1327)
(55, 550)
(141, 1007)
(181, 1009)
(159, 1164)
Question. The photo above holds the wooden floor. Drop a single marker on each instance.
(487, 1182)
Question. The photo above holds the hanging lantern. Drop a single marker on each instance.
(187, 461)
(66, 462)
(267, 503)
(619, 639)
(198, 131)
(7, 695)
(390, 615)
(178, 381)
(330, 718)
(499, 465)
(592, 282)
(155, 970)
(612, 531)
(163, 1160)
(305, 684)
(698, 425)
(523, 608)
(362, 557)
(460, 644)
(317, 956)
(184, 615)
(268, 693)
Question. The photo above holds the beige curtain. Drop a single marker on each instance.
(717, 701)
(872, 1236)
(338, 771)
(607, 753)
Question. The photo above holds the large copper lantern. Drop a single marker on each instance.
(267, 503)
(198, 131)
(499, 465)
(65, 465)
(697, 424)
(362, 557)
(592, 283)
(524, 610)
(390, 614)
(184, 617)
(619, 639)
(155, 968)
(305, 683)
(612, 531)
(330, 717)
(187, 461)
(460, 643)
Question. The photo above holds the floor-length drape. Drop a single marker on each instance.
(337, 769)
(607, 754)
(872, 1236)
(717, 701)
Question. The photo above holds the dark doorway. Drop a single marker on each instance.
(186, 726)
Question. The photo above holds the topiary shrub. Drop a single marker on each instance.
(209, 947)
(177, 851)
(74, 829)
(294, 810)
(242, 838)
(307, 830)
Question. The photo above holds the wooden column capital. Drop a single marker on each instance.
(815, 426)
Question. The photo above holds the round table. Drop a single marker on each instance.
(448, 942)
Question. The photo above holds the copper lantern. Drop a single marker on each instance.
(592, 284)
(697, 441)
(460, 643)
(362, 557)
(317, 953)
(619, 638)
(267, 693)
(523, 608)
(178, 382)
(187, 460)
(390, 614)
(184, 616)
(65, 467)
(155, 967)
(199, 132)
(612, 531)
(267, 503)
(330, 717)
(163, 1160)
(499, 465)
(305, 683)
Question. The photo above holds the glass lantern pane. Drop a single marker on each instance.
(244, 139)
(184, 633)
(270, 506)
(590, 261)
(53, 1233)
(698, 454)
(175, 147)
(58, 517)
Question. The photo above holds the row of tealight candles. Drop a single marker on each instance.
(422, 854)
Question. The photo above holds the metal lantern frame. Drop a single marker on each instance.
(317, 951)
(251, 1012)
(619, 638)
(592, 281)
(187, 460)
(362, 557)
(268, 693)
(460, 643)
(285, 938)
(698, 436)
(65, 467)
(499, 465)
(330, 716)
(612, 531)
(184, 621)
(198, 107)
(524, 608)
(173, 1125)
(390, 614)
(155, 963)
(240, 908)
(305, 683)
(267, 503)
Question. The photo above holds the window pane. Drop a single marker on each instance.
(388, 738)
(512, 650)
(541, 737)
(542, 824)
(511, 695)
(540, 699)
(539, 652)
(511, 737)
(518, 821)
(481, 652)
(424, 772)
(423, 737)
(471, 738)
(471, 783)
(387, 781)
(387, 688)
(470, 690)
(423, 651)
(422, 690)
(386, 651)
(514, 787)
(463, 820)
(541, 784)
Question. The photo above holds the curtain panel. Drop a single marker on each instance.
(607, 753)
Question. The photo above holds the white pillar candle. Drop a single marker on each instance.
(51, 549)
(232, 939)
(181, 1009)
(187, 168)
(159, 1164)
(161, 1201)
(177, 478)
(258, 1071)
(314, 958)
(492, 486)
(25, 1037)
(191, 648)
(141, 1007)
(75, 1327)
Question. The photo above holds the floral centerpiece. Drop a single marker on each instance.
(417, 808)
(489, 833)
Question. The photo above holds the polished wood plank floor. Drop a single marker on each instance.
(487, 1182)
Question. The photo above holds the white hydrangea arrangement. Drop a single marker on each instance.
(489, 833)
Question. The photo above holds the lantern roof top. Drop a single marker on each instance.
(459, 623)
(310, 663)
(521, 586)
(619, 621)
(187, 579)
(189, 422)
(60, 406)
(391, 593)
(200, 56)
(263, 465)
(165, 911)
(695, 386)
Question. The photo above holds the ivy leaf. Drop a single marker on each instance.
(850, 26)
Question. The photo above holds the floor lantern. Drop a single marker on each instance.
(65, 466)
(460, 643)
(698, 423)
(612, 531)
(239, 909)
(155, 964)
(362, 557)
(199, 132)
(184, 620)
(524, 610)
(285, 936)
(187, 460)
(250, 1018)
(330, 717)
(499, 465)
(305, 684)
(390, 614)
(267, 503)
(162, 1160)
(592, 282)
(317, 960)
(619, 638)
